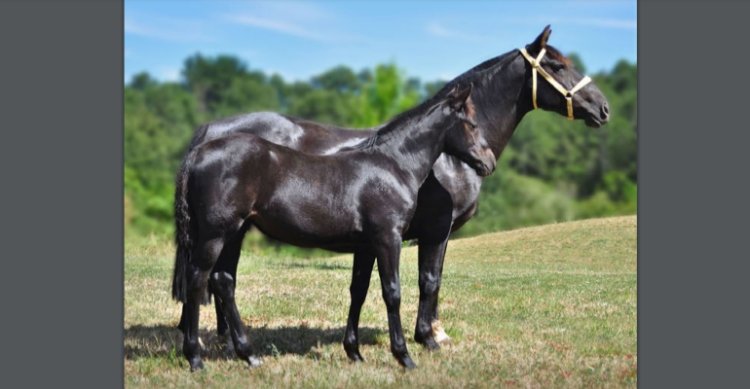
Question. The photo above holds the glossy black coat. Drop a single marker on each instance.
(360, 200)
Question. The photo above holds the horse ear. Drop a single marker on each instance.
(457, 97)
(540, 42)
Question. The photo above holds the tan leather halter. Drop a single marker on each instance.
(536, 66)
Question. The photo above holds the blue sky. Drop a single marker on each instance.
(427, 39)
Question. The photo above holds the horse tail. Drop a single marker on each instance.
(184, 230)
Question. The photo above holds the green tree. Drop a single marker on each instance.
(247, 94)
(384, 96)
(142, 81)
(324, 106)
(340, 79)
(209, 77)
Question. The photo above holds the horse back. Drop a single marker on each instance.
(299, 134)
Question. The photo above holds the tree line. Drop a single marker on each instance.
(552, 170)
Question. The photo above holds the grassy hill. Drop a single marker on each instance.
(546, 306)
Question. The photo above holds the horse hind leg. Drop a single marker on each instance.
(182, 326)
(205, 255)
(222, 284)
(228, 261)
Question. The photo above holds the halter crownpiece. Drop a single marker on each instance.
(536, 66)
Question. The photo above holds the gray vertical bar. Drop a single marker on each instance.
(693, 262)
(61, 197)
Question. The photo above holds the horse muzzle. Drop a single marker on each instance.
(486, 165)
(599, 117)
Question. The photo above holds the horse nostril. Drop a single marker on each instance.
(605, 110)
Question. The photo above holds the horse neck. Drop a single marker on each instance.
(414, 146)
(501, 103)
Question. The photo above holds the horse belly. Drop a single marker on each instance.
(309, 225)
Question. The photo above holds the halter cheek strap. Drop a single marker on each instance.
(536, 67)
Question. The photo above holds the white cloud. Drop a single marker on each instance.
(279, 26)
(170, 30)
(302, 20)
(438, 30)
(299, 11)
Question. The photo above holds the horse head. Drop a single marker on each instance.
(465, 139)
(557, 86)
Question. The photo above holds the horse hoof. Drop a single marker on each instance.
(352, 351)
(407, 363)
(427, 341)
(355, 356)
(195, 364)
(253, 362)
(431, 345)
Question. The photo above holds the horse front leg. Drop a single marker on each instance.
(388, 252)
(428, 331)
(361, 272)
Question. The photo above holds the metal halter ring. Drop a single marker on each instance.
(536, 67)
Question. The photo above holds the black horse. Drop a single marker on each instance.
(502, 95)
(361, 200)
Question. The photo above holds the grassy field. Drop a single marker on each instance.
(548, 306)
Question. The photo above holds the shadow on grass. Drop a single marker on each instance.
(309, 263)
(166, 341)
(316, 266)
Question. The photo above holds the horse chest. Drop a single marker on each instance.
(459, 181)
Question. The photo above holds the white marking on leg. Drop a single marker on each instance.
(438, 332)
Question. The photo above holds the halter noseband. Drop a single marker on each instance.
(536, 66)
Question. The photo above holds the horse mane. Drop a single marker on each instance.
(397, 122)
(485, 69)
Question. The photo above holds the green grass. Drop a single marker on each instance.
(548, 306)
